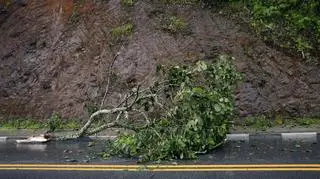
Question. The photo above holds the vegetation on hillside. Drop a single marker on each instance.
(293, 25)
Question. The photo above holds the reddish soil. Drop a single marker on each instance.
(55, 55)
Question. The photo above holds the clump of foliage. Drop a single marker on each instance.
(53, 123)
(195, 119)
(308, 121)
(20, 123)
(259, 122)
(174, 25)
(75, 15)
(121, 31)
(129, 3)
(292, 24)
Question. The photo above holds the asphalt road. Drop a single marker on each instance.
(162, 175)
(259, 158)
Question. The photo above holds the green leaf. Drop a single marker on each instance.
(217, 108)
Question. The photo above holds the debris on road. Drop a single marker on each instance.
(34, 139)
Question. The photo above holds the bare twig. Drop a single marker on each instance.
(143, 91)
(124, 107)
(144, 115)
(119, 116)
(83, 130)
(108, 80)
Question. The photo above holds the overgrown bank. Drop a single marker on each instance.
(293, 25)
(62, 68)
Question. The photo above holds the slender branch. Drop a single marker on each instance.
(114, 124)
(108, 111)
(101, 128)
(156, 100)
(141, 91)
(136, 97)
(123, 109)
(108, 80)
(119, 115)
(83, 130)
(144, 115)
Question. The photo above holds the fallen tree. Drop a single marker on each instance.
(184, 113)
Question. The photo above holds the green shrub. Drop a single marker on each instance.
(54, 122)
(200, 102)
(121, 31)
(127, 2)
(290, 24)
(259, 122)
(174, 25)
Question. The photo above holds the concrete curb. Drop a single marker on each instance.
(238, 137)
(296, 136)
(3, 139)
(245, 137)
(305, 136)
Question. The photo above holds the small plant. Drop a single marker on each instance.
(259, 122)
(71, 124)
(174, 25)
(308, 121)
(129, 3)
(121, 31)
(249, 121)
(54, 122)
(91, 109)
(75, 16)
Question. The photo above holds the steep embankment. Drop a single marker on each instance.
(55, 55)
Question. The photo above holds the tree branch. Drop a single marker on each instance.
(144, 115)
(101, 128)
(108, 80)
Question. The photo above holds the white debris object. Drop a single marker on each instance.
(34, 140)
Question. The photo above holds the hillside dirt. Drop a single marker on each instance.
(55, 55)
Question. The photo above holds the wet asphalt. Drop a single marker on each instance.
(258, 150)
(157, 175)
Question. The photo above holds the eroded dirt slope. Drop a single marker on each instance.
(50, 64)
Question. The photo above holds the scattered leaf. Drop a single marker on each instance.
(90, 144)
(71, 160)
(174, 163)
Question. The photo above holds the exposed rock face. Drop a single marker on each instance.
(54, 56)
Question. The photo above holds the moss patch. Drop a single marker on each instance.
(174, 25)
(121, 31)
(129, 3)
